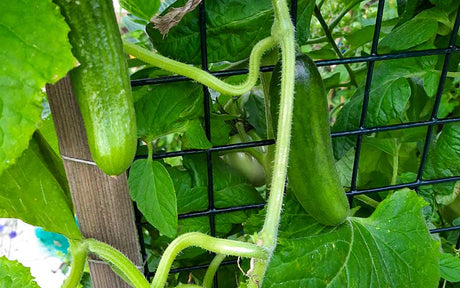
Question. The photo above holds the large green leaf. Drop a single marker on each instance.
(391, 248)
(167, 108)
(14, 275)
(232, 29)
(34, 191)
(34, 51)
(152, 188)
(410, 34)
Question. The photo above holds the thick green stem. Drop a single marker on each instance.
(212, 269)
(119, 263)
(283, 31)
(367, 200)
(201, 76)
(79, 251)
(220, 246)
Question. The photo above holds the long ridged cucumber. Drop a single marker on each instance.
(312, 175)
(101, 83)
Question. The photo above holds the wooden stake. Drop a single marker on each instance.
(102, 204)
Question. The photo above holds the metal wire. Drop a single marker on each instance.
(359, 132)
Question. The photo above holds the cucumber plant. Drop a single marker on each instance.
(289, 250)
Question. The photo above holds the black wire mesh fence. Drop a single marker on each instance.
(358, 133)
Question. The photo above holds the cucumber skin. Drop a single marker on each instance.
(312, 175)
(101, 83)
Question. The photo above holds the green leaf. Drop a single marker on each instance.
(407, 9)
(431, 82)
(166, 109)
(443, 160)
(232, 29)
(388, 102)
(446, 4)
(152, 189)
(360, 37)
(345, 167)
(450, 267)
(363, 252)
(144, 9)
(220, 130)
(388, 98)
(255, 108)
(35, 51)
(195, 136)
(410, 34)
(305, 10)
(230, 189)
(14, 275)
(32, 190)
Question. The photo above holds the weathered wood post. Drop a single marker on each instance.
(102, 204)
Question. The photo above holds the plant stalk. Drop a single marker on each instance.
(119, 263)
(201, 76)
(79, 250)
(283, 32)
(219, 246)
(212, 270)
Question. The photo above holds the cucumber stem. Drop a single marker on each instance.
(78, 249)
(212, 269)
(201, 76)
(283, 32)
(119, 263)
(220, 246)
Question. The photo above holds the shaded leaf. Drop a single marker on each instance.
(195, 136)
(152, 189)
(410, 34)
(232, 29)
(31, 57)
(255, 108)
(305, 10)
(230, 189)
(167, 109)
(388, 98)
(431, 82)
(443, 160)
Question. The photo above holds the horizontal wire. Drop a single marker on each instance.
(360, 59)
(196, 267)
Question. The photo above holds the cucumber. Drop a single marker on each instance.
(101, 83)
(312, 175)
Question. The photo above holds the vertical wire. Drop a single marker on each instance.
(207, 121)
(434, 112)
(370, 71)
(438, 98)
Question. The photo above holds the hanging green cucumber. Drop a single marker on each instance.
(312, 175)
(101, 83)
